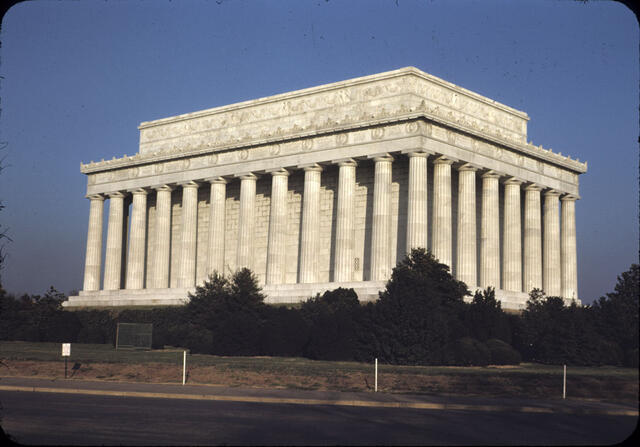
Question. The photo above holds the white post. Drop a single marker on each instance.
(184, 367)
(564, 383)
(375, 388)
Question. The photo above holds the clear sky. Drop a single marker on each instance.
(78, 78)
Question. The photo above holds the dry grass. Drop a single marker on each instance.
(100, 362)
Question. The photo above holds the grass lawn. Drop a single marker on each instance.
(526, 379)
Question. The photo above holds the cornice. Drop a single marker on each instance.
(528, 149)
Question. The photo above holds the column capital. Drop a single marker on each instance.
(443, 160)
(213, 180)
(384, 157)
(467, 167)
(310, 167)
(417, 153)
(552, 193)
(163, 188)
(345, 162)
(246, 176)
(189, 184)
(95, 197)
(513, 181)
(491, 174)
(570, 198)
(533, 187)
(277, 172)
(137, 191)
(116, 195)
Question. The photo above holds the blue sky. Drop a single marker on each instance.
(78, 77)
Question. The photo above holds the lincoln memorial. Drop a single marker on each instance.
(330, 187)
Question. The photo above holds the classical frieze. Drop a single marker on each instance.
(395, 96)
(358, 143)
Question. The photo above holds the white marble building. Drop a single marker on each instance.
(330, 186)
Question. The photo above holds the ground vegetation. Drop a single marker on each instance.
(424, 316)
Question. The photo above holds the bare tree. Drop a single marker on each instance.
(3, 230)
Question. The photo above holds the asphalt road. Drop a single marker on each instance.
(51, 418)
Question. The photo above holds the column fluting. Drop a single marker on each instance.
(310, 232)
(189, 232)
(113, 256)
(442, 228)
(217, 216)
(137, 240)
(244, 256)
(417, 201)
(380, 247)
(551, 281)
(162, 247)
(277, 239)
(512, 237)
(532, 239)
(344, 247)
(93, 258)
(569, 249)
(466, 264)
(490, 231)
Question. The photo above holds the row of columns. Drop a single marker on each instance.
(534, 255)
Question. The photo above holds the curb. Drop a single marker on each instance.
(348, 403)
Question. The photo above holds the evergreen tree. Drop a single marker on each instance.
(616, 314)
(418, 313)
(333, 320)
(485, 318)
(230, 312)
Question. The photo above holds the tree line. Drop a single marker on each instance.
(420, 318)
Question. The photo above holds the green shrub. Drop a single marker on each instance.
(502, 353)
(332, 319)
(284, 332)
(97, 327)
(631, 358)
(467, 351)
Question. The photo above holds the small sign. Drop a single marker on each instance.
(66, 349)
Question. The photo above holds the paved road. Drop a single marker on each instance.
(54, 418)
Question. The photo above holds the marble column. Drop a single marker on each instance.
(246, 221)
(277, 239)
(568, 252)
(512, 237)
(551, 281)
(310, 231)
(490, 231)
(417, 201)
(162, 247)
(466, 264)
(442, 228)
(532, 276)
(344, 247)
(93, 258)
(189, 233)
(217, 213)
(113, 256)
(137, 240)
(381, 226)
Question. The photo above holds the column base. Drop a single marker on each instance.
(295, 293)
(274, 294)
(129, 297)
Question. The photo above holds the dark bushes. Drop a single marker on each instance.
(332, 321)
(467, 351)
(420, 318)
(502, 353)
